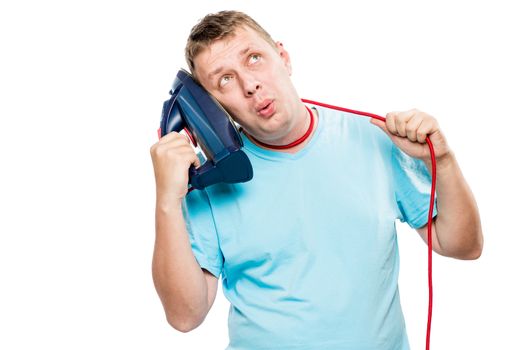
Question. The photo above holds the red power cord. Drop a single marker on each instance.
(430, 213)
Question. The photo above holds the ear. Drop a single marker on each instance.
(284, 55)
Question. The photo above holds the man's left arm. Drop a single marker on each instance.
(456, 231)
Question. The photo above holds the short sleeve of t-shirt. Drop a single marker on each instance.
(412, 182)
(202, 231)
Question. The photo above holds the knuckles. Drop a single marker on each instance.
(400, 117)
(398, 123)
(171, 144)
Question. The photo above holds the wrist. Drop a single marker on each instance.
(168, 202)
(444, 161)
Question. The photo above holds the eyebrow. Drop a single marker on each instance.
(219, 69)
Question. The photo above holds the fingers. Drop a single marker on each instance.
(412, 128)
(396, 122)
(426, 128)
(413, 124)
(183, 155)
(175, 144)
(174, 136)
(193, 157)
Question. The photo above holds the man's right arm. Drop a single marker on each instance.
(186, 292)
(179, 279)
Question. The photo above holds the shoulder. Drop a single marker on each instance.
(355, 127)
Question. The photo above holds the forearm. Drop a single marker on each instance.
(458, 227)
(178, 278)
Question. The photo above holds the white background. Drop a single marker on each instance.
(81, 88)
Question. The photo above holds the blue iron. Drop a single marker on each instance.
(209, 125)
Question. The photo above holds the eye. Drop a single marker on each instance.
(254, 58)
(224, 80)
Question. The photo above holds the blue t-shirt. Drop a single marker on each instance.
(307, 250)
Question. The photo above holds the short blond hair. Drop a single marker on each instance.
(216, 26)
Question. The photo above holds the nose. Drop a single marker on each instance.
(251, 85)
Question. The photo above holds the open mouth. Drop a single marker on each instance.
(267, 109)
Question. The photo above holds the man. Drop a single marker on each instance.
(307, 250)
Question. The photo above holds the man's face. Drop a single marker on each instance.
(251, 79)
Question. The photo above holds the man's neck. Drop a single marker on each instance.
(296, 148)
